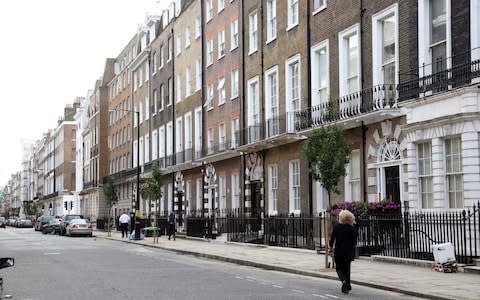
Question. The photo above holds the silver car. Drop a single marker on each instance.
(79, 227)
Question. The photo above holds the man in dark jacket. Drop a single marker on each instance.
(171, 226)
(343, 237)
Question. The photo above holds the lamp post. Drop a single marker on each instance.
(137, 198)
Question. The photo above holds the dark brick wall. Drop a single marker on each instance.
(460, 31)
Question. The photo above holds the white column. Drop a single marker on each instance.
(412, 174)
(471, 165)
(438, 174)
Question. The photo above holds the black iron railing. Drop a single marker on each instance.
(442, 75)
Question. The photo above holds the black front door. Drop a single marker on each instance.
(392, 182)
(256, 198)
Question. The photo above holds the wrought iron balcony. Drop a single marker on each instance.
(442, 75)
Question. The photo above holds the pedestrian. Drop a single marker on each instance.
(343, 237)
(171, 226)
(124, 220)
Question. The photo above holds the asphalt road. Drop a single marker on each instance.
(53, 267)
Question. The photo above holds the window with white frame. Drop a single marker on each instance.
(179, 135)
(385, 41)
(352, 190)
(209, 96)
(198, 204)
(154, 144)
(188, 196)
(292, 13)
(210, 140)
(188, 131)
(209, 52)
(253, 103)
(349, 60)
(155, 101)
(234, 34)
(161, 97)
(234, 84)
(235, 191)
(170, 92)
(235, 133)
(187, 37)
(179, 87)
(475, 29)
(188, 81)
(161, 142)
(198, 132)
(222, 193)
(221, 90)
(170, 49)
(253, 32)
(162, 50)
(169, 141)
(154, 63)
(179, 44)
(271, 102)
(271, 20)
(454, 172)
(209, 10)
(221, 44)
(220, 5)
(294, 186)
(147, 108)
(433, 36)
(320, 75)
(140, 110)
(292, 82)
(222, 137)
(318, 5)
(425, 173)
(438, 34)
(198, 74)
(272, 190)
(198, 27)
(142, 149)
(147, 148)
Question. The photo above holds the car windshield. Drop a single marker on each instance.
(47, 219)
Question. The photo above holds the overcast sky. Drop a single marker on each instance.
(51, 52)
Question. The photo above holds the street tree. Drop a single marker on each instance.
(152, 188)
(30, 208)
(111, 198)
(327, 151)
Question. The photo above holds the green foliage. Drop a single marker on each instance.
(111, 198)
(328, 152)
(331, 112)
(152, 188)
(110, 191)
(30, 208)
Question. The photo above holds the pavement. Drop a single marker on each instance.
(411, 277)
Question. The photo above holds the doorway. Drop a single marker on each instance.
(392, 184)
(256, 198)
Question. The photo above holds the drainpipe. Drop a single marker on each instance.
(362, 81)
(174, 123)
(242, 102)
(203, 171)
(309, 99)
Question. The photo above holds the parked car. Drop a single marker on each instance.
(11, 221)
(3, 222)
(66, 220)
(79, 227)
(53, 226)
(24, 223)
(42, 221)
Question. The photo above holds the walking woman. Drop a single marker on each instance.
(343, 237)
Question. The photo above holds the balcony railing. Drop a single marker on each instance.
(442, 75)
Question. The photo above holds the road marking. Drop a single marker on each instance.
(320, 296)
(298, 291)
(333, 296)
(278, 286)
(238, 277)
(51, 253)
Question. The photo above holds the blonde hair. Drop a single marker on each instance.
(346, 217)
